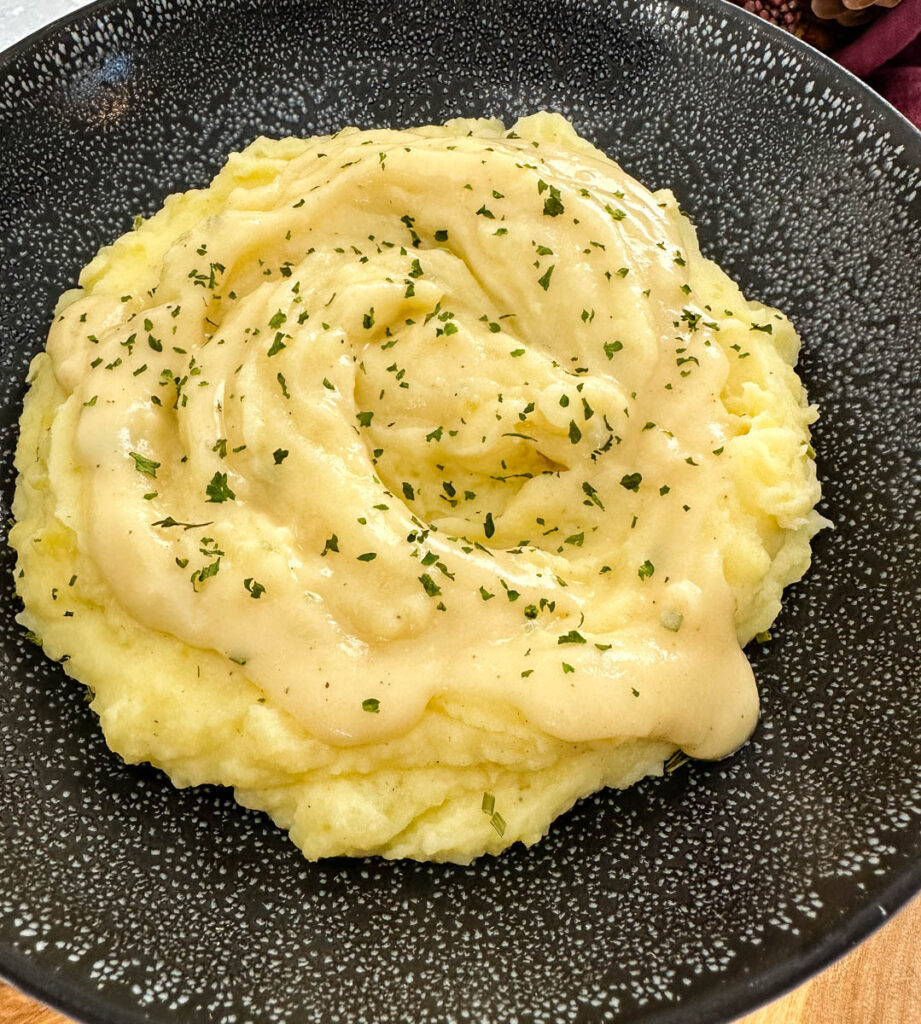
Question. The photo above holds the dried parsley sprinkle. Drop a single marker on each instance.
(169, 521)
(593, 498)
(332, 544)
(144, 465)
(256, 589)
(610, 347)
(367, 321)
(575, 435)
(368, 556)
(279, 455)
(442, 235)
(364, 418)
(553, 205)
(218, 489)
(429, 585)
(372, 705)
(200, 575)
(572, 637)
(567, 668)
(544, 280)
(645, 570)
(631, 481)
(277, 320)
(489, 527)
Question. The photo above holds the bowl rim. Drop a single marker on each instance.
(735, 997)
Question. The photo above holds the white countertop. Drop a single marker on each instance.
(18, 18)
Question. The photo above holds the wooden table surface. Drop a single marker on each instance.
(878, 983)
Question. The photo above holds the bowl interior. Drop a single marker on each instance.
(688, 898)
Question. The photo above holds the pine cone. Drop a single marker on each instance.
(848, 12)
(785, 13)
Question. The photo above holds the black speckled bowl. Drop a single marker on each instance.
(687, 899)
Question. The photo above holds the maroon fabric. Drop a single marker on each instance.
(888, 56)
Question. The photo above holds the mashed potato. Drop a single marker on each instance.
(415, 484)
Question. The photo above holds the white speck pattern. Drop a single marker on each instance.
(688, 899)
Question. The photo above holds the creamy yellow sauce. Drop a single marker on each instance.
(448, 414)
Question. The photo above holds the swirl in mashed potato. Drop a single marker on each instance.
(415, 484)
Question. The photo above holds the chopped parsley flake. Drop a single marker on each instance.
(429, 585)
(553, 205)
(593, 498)
(544, 280)
(278, 344)
(372, 705)
(144, 465)
(218, 489)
